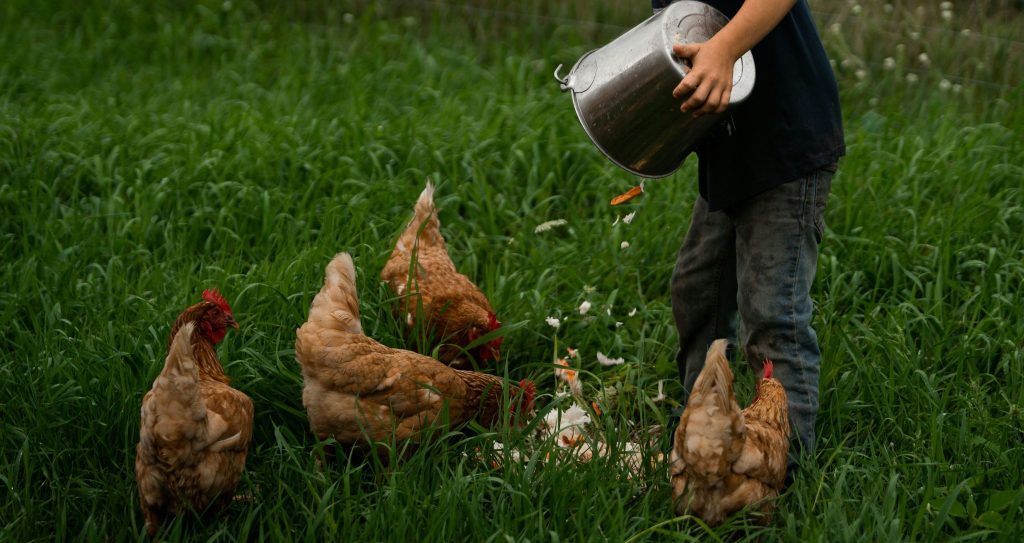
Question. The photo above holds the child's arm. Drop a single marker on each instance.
(710, 77)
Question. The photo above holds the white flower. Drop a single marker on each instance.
(548, 225)
(847, 63)
(947, 15)
(624, 245)
(606, 361)
(911, 78)
(633, 312)
(835, 28)
(860, 74)
(957, 88)
(923, 59)
(945, 85)
(553, 322)
(887, 8)
(584, 307)
(889, 63)
(855, 9)
(965, 32)
(946, 6)
(915, 35)
(348, 18)
(629, 218)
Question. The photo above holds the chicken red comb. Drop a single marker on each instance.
(492, 321)
(215, 297)
(768, 367)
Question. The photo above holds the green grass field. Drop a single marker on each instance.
(149, 151)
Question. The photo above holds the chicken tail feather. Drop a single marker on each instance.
(336, 306)
(425, 227)
(716, 378)
(176, 403)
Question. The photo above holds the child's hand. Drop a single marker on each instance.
(709, 81)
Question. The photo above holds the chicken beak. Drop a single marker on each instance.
(232, 322)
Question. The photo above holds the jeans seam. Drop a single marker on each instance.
(808, 196)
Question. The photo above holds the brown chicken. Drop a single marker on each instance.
(454, 312)
(724, 459)
(195, 428)
(360, 392)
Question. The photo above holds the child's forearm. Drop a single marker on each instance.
(754, 20)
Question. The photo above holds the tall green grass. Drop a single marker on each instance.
(150, 151)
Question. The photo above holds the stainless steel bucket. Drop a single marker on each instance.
(622, 92)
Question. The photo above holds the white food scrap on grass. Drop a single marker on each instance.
(632, 312)
(567, 425)
(568, 376)
(548, 225)
(584, 307)
(513, 454)
(604, 360)
(661, 393)
(629, 218)
(553, 322)
(624, 245)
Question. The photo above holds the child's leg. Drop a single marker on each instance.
(704, 289)
(777, 236)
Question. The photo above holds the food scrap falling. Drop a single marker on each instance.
(628, 195)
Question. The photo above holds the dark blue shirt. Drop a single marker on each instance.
(789, 126)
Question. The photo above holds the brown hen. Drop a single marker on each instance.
(360, 392)
(435, 297)
(724, 459)
(195, 428)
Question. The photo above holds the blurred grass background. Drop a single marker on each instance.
(149, 151)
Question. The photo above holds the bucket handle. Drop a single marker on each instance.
(564, 83)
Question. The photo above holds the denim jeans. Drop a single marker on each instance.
(756, 260)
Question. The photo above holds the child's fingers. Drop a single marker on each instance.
(685, 50)
(697, 99)
(687, 85)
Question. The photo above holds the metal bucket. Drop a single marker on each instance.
(622, 92)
